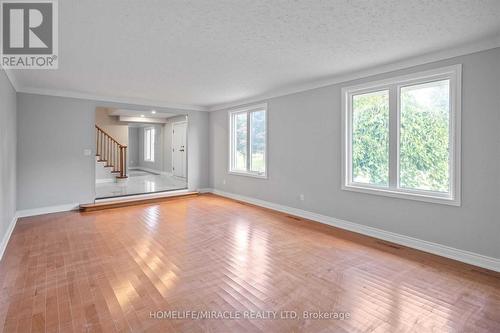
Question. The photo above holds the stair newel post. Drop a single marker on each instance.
(106, 149)
(96, 140)
(117, 157)
(121, 162)
(99, 143)
(103, 155)
(125, 162)
(115, 151)
(102, 145)
(106, 138)
(107, 155)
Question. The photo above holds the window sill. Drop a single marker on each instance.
(248, 174)
(403, 195)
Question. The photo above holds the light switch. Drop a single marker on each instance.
(87, 152)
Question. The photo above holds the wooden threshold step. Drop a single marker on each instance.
(131, 202)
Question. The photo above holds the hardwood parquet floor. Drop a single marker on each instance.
(115, 270)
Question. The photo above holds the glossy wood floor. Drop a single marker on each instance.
(108, 271)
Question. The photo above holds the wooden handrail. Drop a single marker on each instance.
(112, 152)
(112, 139)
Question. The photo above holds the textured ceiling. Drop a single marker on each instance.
(212, 52)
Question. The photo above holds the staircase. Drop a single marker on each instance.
(112, 153)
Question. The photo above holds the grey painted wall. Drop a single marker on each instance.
(305, 151)
(8, 139)
(133, 146)
(52, 134)
(54, 131)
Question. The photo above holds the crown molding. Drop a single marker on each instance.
(12, 78)
(110, 99)
(464, 49)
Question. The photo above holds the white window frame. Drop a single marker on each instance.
(149, 151)
(394, 85)
(248, 110)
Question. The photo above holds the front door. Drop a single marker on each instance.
(179, 149)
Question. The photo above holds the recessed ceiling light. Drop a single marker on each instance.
(142, 116)
(153, 112)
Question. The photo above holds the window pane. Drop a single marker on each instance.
(258, 141)
(424, 136)
(152, 145)
(240, 141)
(149, 144)
(146, 144)
(370, 138)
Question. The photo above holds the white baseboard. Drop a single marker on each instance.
(31, 212)
(6, 237)
(47, 210)
(434, 248)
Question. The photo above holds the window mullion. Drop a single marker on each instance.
(393, 136)
(231, 142)
(248, 141)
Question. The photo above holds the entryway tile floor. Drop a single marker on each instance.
(139, 182)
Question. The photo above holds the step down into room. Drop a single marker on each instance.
(132, 202)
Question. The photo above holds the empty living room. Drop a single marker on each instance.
(250, 166)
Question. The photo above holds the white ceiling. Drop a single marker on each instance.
(207, 53)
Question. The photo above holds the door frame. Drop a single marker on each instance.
(186, 148)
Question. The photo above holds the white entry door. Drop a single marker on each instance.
(179, 149)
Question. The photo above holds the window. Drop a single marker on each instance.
(248, 140)
(149, 144)
(401, 137)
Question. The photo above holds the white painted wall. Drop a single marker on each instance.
(8, 137)
(54, 131)
(305, 151)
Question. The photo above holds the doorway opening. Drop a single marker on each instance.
(139, 152)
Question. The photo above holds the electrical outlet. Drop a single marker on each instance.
(302, 197)
(223, 182)
(87, 152)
